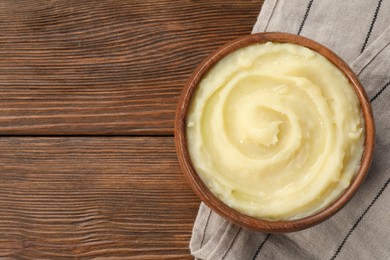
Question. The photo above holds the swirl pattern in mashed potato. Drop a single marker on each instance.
(275, 131)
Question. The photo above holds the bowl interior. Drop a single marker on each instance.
(208, 197)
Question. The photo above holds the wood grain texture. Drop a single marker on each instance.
(110, 67)
(106, 67)
(91, 197)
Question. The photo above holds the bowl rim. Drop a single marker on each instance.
(208, 197)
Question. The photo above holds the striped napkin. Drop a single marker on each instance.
(359, 32)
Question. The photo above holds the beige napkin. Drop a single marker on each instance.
(359, 32)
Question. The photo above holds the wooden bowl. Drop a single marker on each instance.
(208, 197)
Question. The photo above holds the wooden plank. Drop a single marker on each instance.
(106, 67)
(117, 197)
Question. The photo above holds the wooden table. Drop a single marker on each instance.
(88, 91)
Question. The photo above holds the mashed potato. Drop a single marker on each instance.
(275, 131)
